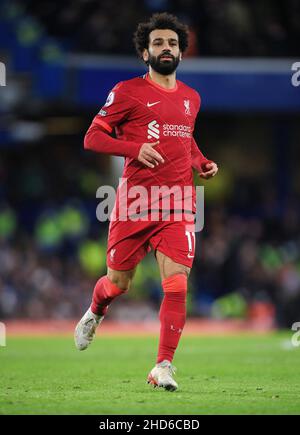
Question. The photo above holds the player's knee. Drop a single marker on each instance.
(185, 271)
(179, 270)
(121, 279)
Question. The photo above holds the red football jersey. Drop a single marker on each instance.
(142, 111)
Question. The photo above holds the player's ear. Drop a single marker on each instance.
(180, 56)
(145, 55)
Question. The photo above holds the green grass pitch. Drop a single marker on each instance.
(216, 375)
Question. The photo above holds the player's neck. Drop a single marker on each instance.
(168, 82)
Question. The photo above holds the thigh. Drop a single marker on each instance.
(168, 267)
(175, 248)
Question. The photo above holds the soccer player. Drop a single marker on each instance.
(153, 117)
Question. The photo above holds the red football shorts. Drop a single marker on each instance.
(129, 242)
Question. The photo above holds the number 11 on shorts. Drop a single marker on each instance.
(190, 243)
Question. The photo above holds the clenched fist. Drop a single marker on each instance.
(209, 170)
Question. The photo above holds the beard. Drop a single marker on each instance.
(163, 67)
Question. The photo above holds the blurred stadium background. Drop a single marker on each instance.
(61, 61)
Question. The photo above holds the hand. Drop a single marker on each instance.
(148, 156)
(209, 170)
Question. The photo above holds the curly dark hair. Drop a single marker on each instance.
(160, 21)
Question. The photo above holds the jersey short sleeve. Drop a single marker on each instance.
(117, 107)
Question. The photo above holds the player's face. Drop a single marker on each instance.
(163, 52)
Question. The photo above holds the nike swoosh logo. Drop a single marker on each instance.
(152, 104)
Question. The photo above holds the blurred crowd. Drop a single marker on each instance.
(53, 249)
(249, 266)
(218, 27)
